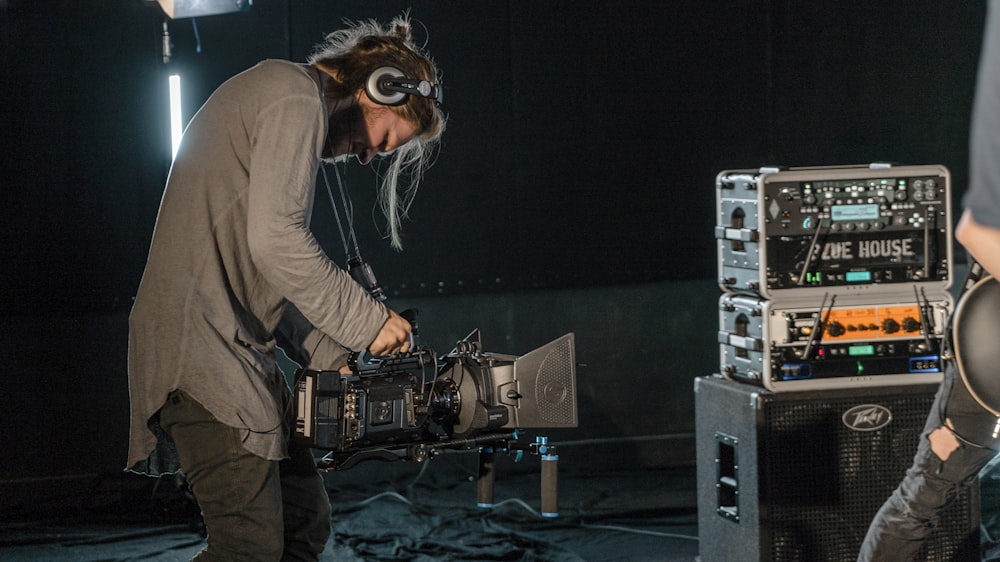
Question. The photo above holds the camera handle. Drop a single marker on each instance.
(550, 473)
(410, 315)
(363, 360)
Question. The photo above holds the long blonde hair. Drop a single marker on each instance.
(351, 54)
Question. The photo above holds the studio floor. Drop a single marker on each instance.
(400, 511)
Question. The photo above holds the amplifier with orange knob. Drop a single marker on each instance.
(830, 343)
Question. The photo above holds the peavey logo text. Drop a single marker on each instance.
(867, 417)
(868, 249)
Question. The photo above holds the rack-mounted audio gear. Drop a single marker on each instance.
(805, 345)
(799, 232)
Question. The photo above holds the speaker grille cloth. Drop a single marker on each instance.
(826, 480)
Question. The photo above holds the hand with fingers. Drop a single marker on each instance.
(394, 337)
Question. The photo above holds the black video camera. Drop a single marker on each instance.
(405, 406)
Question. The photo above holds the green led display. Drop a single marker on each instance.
(857, 350)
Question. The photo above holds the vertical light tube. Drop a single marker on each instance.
(175, 114)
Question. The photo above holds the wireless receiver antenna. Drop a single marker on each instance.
(819, 325)
(809, 254)
(926, 321)
(927, 243)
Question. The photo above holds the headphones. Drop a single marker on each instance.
(388, 85)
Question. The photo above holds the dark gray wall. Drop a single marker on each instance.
(574, 190)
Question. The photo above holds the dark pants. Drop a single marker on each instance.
(930, 484)
(254, 509)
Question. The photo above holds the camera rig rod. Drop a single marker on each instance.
(419, 451)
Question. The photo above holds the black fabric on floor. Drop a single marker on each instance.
(387, 511)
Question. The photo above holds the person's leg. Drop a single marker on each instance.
(943, 464)
(909, 515)
(238, 492)
(306, 506)
(989, 490)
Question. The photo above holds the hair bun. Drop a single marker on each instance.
(401, 28)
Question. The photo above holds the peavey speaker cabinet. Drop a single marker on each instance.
(798, 476)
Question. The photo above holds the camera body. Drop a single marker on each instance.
(405, 406)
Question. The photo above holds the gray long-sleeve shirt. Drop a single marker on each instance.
(234, 270)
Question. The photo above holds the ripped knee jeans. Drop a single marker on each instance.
(932, 482)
